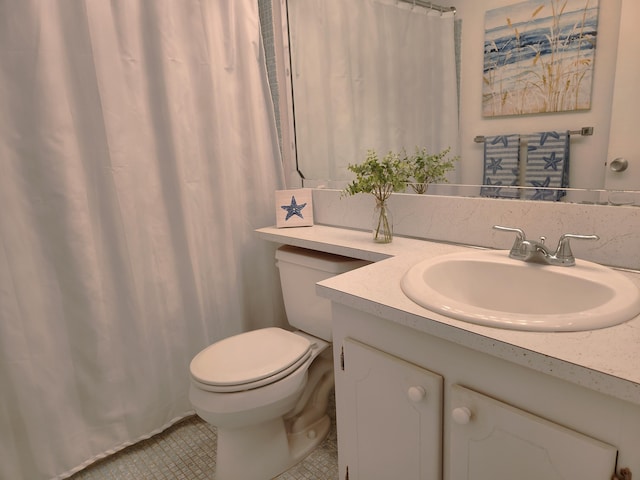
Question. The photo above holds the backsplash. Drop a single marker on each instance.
(470, 220)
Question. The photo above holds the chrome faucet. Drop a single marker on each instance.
(538, 252)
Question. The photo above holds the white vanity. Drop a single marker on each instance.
(422, 396)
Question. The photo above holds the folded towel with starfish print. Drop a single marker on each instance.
(547, 169)
(501, 166)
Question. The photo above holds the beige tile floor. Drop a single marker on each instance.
(187, 451)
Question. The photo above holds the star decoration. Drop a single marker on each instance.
(492, 189)
(293, 208)
(494, 165)
(542, 189)
(551, 161)
(500, 138)
(545, 135)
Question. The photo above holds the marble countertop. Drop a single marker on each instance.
(605, 360)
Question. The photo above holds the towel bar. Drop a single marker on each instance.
(584, 131)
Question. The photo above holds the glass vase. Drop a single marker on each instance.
(382, 223)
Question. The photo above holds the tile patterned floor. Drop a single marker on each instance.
(187, 451)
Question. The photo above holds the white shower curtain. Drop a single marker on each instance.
(137, 155)
(367, 74)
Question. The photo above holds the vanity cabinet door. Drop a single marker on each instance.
(491, 440)
(393, 417)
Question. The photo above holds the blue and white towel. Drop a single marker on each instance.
(501, 166)
(547, 165)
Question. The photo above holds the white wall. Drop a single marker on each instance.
(588, 154)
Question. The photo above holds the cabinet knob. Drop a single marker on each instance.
(461, 415)
(416, 393)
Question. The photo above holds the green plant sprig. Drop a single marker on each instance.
(379, 177)
(429, 168)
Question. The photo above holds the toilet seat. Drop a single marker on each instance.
(250, 360)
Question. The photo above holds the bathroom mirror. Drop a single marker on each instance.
(589, 155)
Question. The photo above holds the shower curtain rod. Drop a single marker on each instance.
(431, 6)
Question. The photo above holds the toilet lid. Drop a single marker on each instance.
(258, 357)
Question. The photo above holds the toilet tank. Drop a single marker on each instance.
(300, 270)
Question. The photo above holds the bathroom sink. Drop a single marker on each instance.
(489, 288)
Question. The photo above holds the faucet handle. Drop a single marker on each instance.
(518, 243)
(564, 253)
(520, 235)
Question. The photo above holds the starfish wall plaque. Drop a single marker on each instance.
(294, 208)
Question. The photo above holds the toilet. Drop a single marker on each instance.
(266, 391)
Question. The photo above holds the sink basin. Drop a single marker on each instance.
(489, 288)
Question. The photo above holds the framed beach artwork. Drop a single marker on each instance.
(539, 56)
